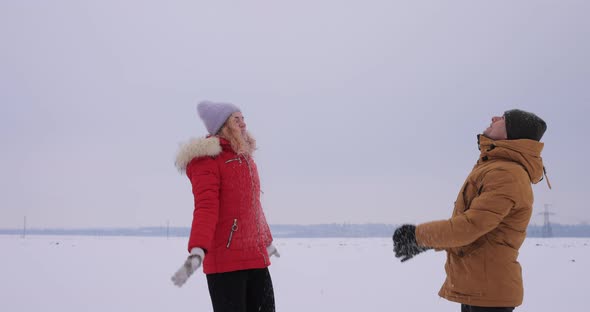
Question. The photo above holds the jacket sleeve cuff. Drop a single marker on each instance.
(198, 252)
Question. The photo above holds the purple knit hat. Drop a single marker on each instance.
(215, 114)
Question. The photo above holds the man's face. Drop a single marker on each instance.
(497, 129)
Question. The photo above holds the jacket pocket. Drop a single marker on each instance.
(468, 272)
(471, 248)
(233, 229)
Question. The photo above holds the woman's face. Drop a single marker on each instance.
(236, 122)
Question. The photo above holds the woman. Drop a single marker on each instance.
(229, 233)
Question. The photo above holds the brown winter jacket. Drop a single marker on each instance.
(488, 225)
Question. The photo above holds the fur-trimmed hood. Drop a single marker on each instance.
(210, 146)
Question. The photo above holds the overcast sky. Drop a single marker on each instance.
(364, 111)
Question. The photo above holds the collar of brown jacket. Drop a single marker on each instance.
(525, 152)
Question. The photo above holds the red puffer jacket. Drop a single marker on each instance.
(228, 221)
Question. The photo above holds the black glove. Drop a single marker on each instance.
(404, 242)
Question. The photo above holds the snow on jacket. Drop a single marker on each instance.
(488, 225)
(228, 221)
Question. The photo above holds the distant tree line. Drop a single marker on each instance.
(285, 230)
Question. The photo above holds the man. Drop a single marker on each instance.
(229, 232)
(489, 220)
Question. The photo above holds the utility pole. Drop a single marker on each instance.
(167, 228)
(546, 230)
(25, 227)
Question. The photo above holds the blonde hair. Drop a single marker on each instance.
(242, 144)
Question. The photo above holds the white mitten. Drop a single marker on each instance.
(272, 250)
(191, 264)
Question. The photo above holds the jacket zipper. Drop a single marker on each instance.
(234, 159)
(234, 228)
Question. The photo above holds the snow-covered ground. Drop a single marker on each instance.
(73, 274)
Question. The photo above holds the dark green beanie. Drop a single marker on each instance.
(524, 125)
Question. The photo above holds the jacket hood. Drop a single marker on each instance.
(525, 152)
(200, 147)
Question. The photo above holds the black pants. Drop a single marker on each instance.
(468, 308)
(242, 291)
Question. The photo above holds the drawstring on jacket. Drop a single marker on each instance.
(546, 177)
